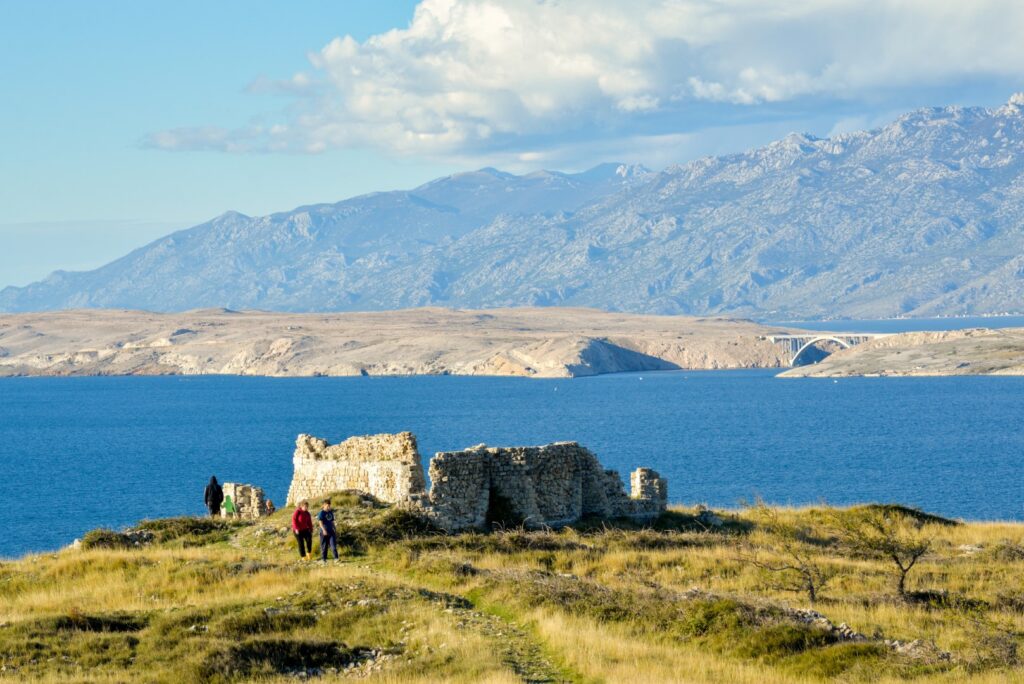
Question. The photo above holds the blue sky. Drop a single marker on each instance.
(124, 120)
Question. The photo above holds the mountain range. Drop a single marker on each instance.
(922, 217)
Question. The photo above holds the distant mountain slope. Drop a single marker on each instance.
(922, 217)
(301, 260)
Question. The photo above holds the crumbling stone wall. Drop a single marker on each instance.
(250, 501)
(555, 484)
(647, 484)
(385, 466)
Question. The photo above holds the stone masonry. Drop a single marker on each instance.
(385, 466)
(250, 502)
(550, 485)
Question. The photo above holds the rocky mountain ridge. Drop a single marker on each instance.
(922, 217)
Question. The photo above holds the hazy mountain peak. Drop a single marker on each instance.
(923, 216)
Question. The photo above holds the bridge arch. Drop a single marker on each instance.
(821, 338)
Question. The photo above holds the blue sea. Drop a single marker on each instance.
(80, 453)
(898, 325)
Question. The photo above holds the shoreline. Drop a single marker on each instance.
(517, 342)
(528, 342)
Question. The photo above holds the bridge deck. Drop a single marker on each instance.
(797, 343)
(824, 336)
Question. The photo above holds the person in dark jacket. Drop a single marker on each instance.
(302, 526)
(328, 533)
(214, 497)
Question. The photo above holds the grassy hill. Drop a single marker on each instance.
(694, 597)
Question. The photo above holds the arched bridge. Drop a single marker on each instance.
(798, 344)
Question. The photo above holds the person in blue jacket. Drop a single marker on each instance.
(328, 532)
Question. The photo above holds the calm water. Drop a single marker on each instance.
(897, 325)
(78, 453)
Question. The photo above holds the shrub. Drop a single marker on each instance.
(393, 525)
(192, 531)
(799, 568)
(715, 615)
(80, 622)
(241, 622)
(502, 541)
(1007, 551)
(776, 641)
(105, 539)
(889, 533)
(836, 660)
(899, 510)
(254, 657)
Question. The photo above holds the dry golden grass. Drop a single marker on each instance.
(600, 604)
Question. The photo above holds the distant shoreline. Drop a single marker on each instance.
(526, 342)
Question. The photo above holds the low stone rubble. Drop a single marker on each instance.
(918, 648)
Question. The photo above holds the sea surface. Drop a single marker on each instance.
(81, 453)
(898, 325)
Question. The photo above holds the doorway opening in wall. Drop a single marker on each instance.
(501, 514)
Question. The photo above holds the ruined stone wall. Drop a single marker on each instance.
(647, 484)
(555, 484)
(250, 502)
(385, 466)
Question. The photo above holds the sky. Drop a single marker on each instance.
(122, 121)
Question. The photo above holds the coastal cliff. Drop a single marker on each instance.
(529, 342)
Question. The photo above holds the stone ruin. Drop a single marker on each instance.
(551, 485)
(385, 466)
(250, 501)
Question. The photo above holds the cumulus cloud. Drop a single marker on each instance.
(503, 76)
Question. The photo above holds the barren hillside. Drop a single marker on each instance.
(527, 342)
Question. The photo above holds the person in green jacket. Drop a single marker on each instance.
(229, 507)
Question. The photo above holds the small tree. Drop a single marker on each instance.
(798, 568)
(887, 533)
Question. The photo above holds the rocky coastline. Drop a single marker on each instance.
(527, 342)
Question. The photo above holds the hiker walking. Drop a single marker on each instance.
(328, 534)
(214, 497)
(302, 526)
(229, 507)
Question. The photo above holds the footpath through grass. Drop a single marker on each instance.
(694, 597)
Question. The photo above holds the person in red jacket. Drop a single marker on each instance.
(302, 526)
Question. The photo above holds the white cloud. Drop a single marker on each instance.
(468, 76)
